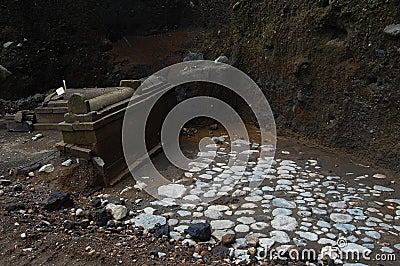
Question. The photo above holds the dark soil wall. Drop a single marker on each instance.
(328, 70)
(67, 39)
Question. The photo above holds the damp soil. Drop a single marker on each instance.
(48, 240)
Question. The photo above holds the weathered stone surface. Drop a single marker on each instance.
(283, 222)
(242, 228)
(4, 73)
(222, 224)
(393, 29)
(283, 203)
(174, 191)
(48, 168)
(308, 235)
(149, 221)
(341, 218)
(383, 189)
(280, 237)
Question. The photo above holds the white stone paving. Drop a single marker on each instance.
(297, 203)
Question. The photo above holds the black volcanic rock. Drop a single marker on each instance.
(200, 231)
(58, 200)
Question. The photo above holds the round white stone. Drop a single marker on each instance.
(341, 218)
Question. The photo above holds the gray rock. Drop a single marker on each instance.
(319, 211)
(283, 203)
(220, 208)
(280, 237)
(345, 228)
(387, 250)
(242, 228)
(161, 254)
(209, 194)
(249, 206)
(118, 212)
(148, 221)
(352, 239)
(149, 210)
(396, 201)
(67, 163)
(222, 59)
(327, 241)
(79, 213)
(183, 213)
(213, 214)
(393, 29)
(383, 189)
(281, 211)
(341, 218)
(356, 212)
(246, 220)
(367, 240)
(373, 234)
(380, 176)
(218, 234)
(266, 243)
(222, 224)
(4, 73)
(324, 224)
(304, 213)
(48, 168)
(181, 228)
(173, 222)
(174, 191)
(259, 226)
(189, 242)
(7, 44)
(338, 204)
(254, 198)
(283, 222)
(308, 235)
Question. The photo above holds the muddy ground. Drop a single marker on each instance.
(50, 239)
